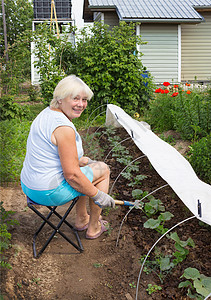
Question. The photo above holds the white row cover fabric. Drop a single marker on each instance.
(168, 162)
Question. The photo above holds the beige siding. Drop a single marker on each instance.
(196, 50)
(111, 18)
(161, 52)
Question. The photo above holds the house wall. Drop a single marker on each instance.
(196, 50)
(161, 52)
(111, 18)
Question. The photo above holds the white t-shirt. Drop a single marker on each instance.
(42, 168)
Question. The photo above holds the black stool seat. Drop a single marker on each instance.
(56, 228)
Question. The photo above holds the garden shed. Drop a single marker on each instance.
(178, 34)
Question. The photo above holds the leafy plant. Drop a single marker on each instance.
(132, 285)
(5, 236)
(13, 137)
(199, 157)
(158, 224)
(98, 265)
(11, 110)
(181, 252)
(199, 283)
(33, 93)
(152, 288)
(137, 180)
(104, 58)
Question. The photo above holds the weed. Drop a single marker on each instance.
(153, 288)
(132, 285)
(35, 280)
(98, 265)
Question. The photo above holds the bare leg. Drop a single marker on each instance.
(82, 217)
(101, 181)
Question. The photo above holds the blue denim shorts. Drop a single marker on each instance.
(58, 196)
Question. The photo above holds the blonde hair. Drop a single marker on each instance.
(70, 86)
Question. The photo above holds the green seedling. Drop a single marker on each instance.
(98, 265)
(137, 180)
(153, 288)
(36, 280)
(132, 285)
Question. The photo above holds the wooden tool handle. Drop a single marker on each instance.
(120, 202)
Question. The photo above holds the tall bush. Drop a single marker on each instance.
(107, 60)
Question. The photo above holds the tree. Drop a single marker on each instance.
(19, 15)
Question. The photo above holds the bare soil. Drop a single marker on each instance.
(104, 270)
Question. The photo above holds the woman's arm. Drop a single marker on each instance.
(65, 140)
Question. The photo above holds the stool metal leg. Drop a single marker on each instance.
(79, 247)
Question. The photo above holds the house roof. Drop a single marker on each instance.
(153, 10)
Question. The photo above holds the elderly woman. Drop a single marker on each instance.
(55, 170)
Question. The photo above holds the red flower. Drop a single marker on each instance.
(158, 90)
(174, 94)
(166, 83)
(162, 91)
(176, 86)
(166, 91)
(189, 92)
(187, 84)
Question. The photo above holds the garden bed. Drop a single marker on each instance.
(105, 270)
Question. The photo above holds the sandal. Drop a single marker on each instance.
(104, 228)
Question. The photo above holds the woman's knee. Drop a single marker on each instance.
(100, 169)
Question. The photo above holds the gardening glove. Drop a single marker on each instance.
(103, 200)
(90, 161)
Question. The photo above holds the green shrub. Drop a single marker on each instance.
(13, 137)
(105, 59)
(200, 158)
(10, 110)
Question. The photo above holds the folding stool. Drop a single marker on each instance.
(56, 228)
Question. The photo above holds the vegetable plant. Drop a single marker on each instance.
(198, 285)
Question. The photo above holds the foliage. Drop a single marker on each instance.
(33, 93)
(199, 283)
(186, 111)
(158, 224)
(13, 137)
(19, 16)
(191, 114)
(153, 288)
(15, 71)
(199, 157)
(105, 60)
(10, 110)
(5, 236)
(181, 251)
(48, 64)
